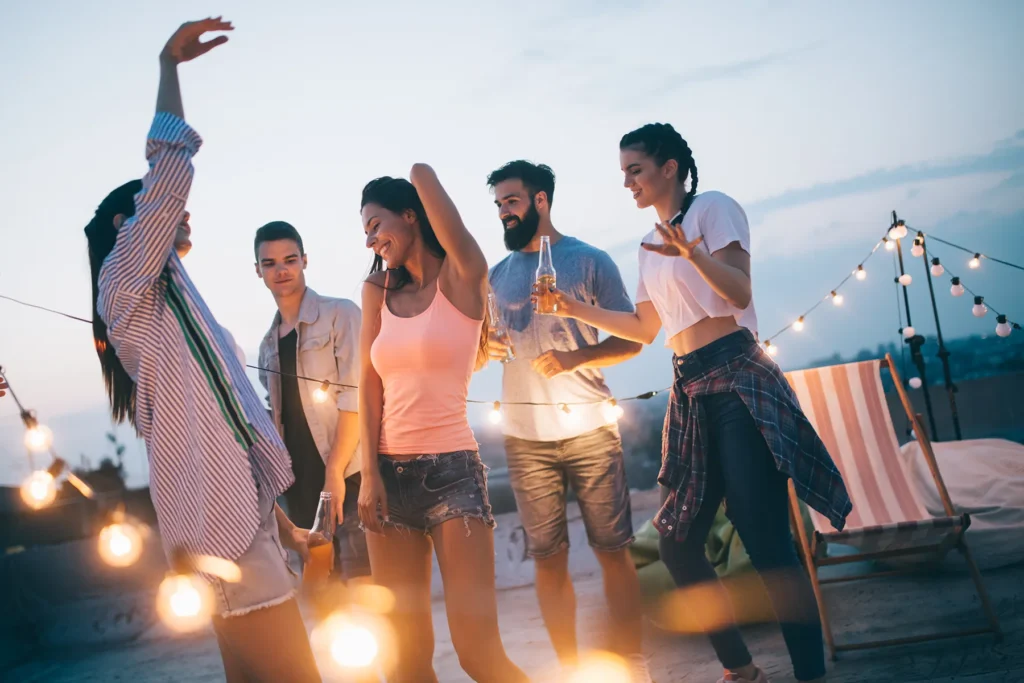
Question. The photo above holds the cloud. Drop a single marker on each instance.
(720, 72)
(1002, 158)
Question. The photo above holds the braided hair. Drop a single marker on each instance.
(662, 142)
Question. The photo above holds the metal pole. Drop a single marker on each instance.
(915, 342)
(943, 353)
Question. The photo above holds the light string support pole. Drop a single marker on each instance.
(916, 341)
(943, 353)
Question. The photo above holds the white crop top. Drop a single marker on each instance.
(671, 283)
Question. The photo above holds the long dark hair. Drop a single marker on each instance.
(398, 195)
(662, 142)
(101, 235)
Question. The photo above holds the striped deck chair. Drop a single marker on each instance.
(847, 407)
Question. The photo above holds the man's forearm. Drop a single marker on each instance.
(611, 351)
(346, 439)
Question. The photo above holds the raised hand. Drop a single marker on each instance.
(185, 45)
(675, 242)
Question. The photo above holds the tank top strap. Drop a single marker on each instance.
(384, 297)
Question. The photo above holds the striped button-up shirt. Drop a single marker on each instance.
(210, 442)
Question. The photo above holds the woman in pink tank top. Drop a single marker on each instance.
(423, 334)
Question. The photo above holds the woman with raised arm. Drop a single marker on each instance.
(424, 484)
(217, 463)
(733, 429)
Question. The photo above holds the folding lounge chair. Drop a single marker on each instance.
(847, 407)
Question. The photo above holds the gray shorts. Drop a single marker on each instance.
(427, 490)
(267, 580)
(592, 464)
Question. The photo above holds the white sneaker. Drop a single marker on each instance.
(736, 678)
(638, 669)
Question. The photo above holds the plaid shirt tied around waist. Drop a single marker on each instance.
(737, 363)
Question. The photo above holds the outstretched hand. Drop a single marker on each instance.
(675, 242)
(185, 45)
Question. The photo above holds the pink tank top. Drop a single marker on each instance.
(425, 363)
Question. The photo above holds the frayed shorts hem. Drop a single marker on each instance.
(242, 611)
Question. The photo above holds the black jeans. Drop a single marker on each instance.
(742, 469)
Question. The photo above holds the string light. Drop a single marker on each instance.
(613, 411)
(908, 331)
(771, 348)
(39, 489)
(1003, 328)
(889, 244)
(495, 414)
(837, 299)
(979, 309)
(905, 279)
(184, 602)
(38, 438)
(915, 383)
(120, 544)
(799, 324)
(917, 251)
(956, 289)
(860, 273)
(937, 269)
(975, 262)
(322, 392)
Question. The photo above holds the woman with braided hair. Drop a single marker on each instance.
(733, 428)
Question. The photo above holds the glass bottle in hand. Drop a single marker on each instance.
(321, 545)
(499, 328)
(545, 283)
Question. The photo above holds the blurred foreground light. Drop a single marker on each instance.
(39, 489)
(374, 598)
(495, 413)
(322, 393)
(601, 667)
(184, 602)
(613, 412)
(355, 640)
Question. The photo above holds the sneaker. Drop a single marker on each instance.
(730, 677)
(638, 669)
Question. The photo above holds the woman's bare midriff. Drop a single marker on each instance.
(701, 334)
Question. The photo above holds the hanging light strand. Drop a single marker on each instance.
(960, 282)
(974, 254)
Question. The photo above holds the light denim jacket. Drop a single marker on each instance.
(327, 348)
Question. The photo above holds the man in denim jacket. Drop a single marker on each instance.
(314, 337)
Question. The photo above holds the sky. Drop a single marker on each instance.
(820, 119)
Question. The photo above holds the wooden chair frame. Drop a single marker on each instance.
(812, 561)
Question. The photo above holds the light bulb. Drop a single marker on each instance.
(355, 640)
(837, 299)
(39, 489)
(1003, 328)
(905, 279)
(799, 324)
(495, 413)
(38, 438)
(601, 667)
(120, 544)
(894, 233)
(908, 332)
(860, 273)
(956, 289)
(322, 392)
(979, 309)
(772, 349)
(354, 647)
(901, 228)
(937, 268)
(184, 602)
(613, 412)
(975, 262)
(915, 383)
(917, 250)
(889, 244)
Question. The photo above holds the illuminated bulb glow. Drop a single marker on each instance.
(908, 332)
(799, 324)
(894, 233)
(937, 268)
(905, 279)
(613, 412)
(975, 262)
(772, 349)
(861, 273)
(184, 602)
(495, 414)
(120, 545)
(915, 383)
(837, 299)
(956, 289)
(979, 309)
(889, 244)
(601, 667)
(322, 393)
(354, 647)
(39, 489)
(38, 438)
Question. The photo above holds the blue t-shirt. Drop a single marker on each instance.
(583, 272)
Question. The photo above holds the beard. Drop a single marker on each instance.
(519, 232)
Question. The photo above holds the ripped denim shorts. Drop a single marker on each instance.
(427, 490)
